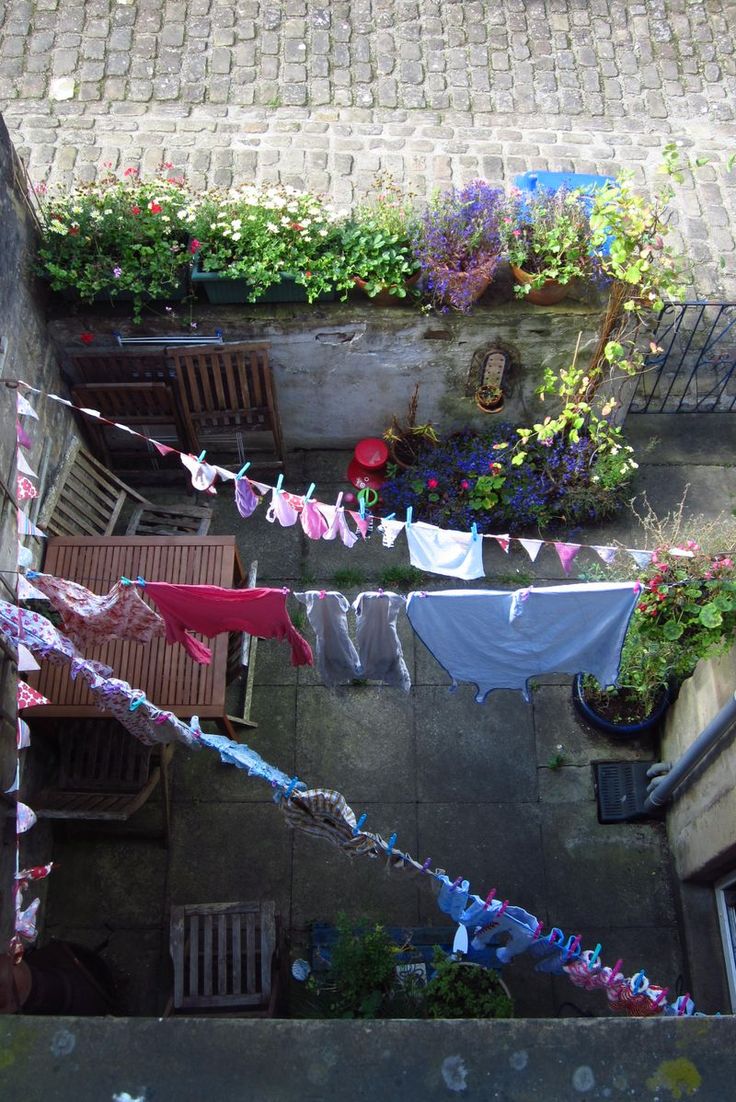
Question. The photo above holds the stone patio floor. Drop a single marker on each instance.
(468, 785)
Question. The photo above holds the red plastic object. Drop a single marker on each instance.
(371, 452)
(365, 477)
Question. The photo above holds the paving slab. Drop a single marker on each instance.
(229, 852)
(604, 876)
(360, 741)
(460, 745)
(559, 730)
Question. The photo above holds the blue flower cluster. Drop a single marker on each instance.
(554, 487)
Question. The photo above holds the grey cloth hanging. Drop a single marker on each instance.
(379, 647)
(336, 657)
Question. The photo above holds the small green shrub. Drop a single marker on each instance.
(401, 577)
(347, 577)
(362, 971)
(459, 990)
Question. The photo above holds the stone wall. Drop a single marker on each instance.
(343, 369)
(700, 821)
(28, 354)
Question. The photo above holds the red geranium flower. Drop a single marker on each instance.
(296, 226)
(307, 275)
(155, 208)
(432, 483)
(465, 485)
(135, 210)
(86, 338)
(131, 172)
(194, 245)
(74, 230)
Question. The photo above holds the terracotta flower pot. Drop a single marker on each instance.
(385, 297)
(487, 405)
(476, 282)
(549, 294)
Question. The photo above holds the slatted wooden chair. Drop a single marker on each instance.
(227, 396)
(104, 773)
(226, 958)
(87, 500)
(146, 407)
(119, 366)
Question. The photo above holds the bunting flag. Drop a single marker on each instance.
(27, 697)
(567, 553)
(641, 558)
(23, 736)
(16, 780)
(25, 489)
(26, 527)
(24, 466)
(26, 661)
(24, 407)
(25, 555)
(532, 547)
(608, 554)
(25, 921)
(37, 872)
(25, 818)
(163, 449)
(22, 436)
(28, 592)
(503, 542)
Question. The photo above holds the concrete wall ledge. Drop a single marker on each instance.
(194, 1059)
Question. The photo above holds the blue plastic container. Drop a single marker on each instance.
(553, 181)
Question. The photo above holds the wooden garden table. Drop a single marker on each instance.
(165, 672)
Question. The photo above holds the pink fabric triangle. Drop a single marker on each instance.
(28, 592)
(361, 523)
(28, 697)
(567, 553)
(608, 554)
(22, 436)
(162, 449)
(503, 542)
(25, 488)
(532, 547)
(25, 409)
(641, 558)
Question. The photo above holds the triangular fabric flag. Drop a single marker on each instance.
(25, 555)
(567, 553)
(116, 424)
(28, 697)
(608, 554)
(225, 475)
(26, 527)
(25, 488)
(36, 872)
(503, 542)
(25, 921)
(23, 736)
(532, 547)
(28, 592)
(641, 558)
(25, 818)
(361, 523)
(261, 487)
(25, 409)
(16, 779)
(96, 413)
(162, 449)
(22, 436)
(24, 466)
(26, 661)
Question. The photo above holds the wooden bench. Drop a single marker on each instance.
(104, 773)
(226, 957)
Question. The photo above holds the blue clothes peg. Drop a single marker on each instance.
(474, 531)
(125, 581)
(200, 457)
(427, 863)
(409, 512)
(136, 703)
(242, 470)
(596, 953)
(290, 787)
(638, 982)
(390, 516)
(456, 883)
(359, 824)
(140, 581)
(391, 844)
(310, 491)
(31, 573)
(279, 483)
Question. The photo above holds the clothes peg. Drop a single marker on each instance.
(242, 470)
(136, 703)
(31, 573)
(456, 883)
(125, 581)
(140, 581)
(474, 531)
(390, 516)
(391, 844)
(552, 937)
(279, 483)
(683, 1001)
(504, 905)
(409, 512)
(614, 972)
(322, 594)
(427, 863)
(359, 824)
(310, 491)
(661, 996)
(537, 931)
(596, 953)
(200, 458)
(638, 982)
(290, 787)
(489, 899)
(361, 506)
(572, 948)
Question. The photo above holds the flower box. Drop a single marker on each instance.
(222, 290)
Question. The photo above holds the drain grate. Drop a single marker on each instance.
(621, 789)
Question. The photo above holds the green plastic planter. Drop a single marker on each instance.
(224, 290)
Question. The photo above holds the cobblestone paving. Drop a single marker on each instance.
(433, 91)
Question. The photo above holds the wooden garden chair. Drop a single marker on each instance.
(146, 407)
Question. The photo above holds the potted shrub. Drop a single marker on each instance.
(547, 239)
(461, 990)
(117, 240)
(406, 439)
(686, 612)
(489, 398)
(377, 244)
(271, 244)
(361, 977)
(458, 246)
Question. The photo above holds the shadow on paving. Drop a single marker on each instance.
(469, 786)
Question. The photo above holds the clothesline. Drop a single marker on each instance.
(204, 475)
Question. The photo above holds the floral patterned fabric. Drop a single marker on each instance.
(89, 619)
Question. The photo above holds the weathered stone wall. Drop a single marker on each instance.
(28, 355)
(343, 369)
(701, 820)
